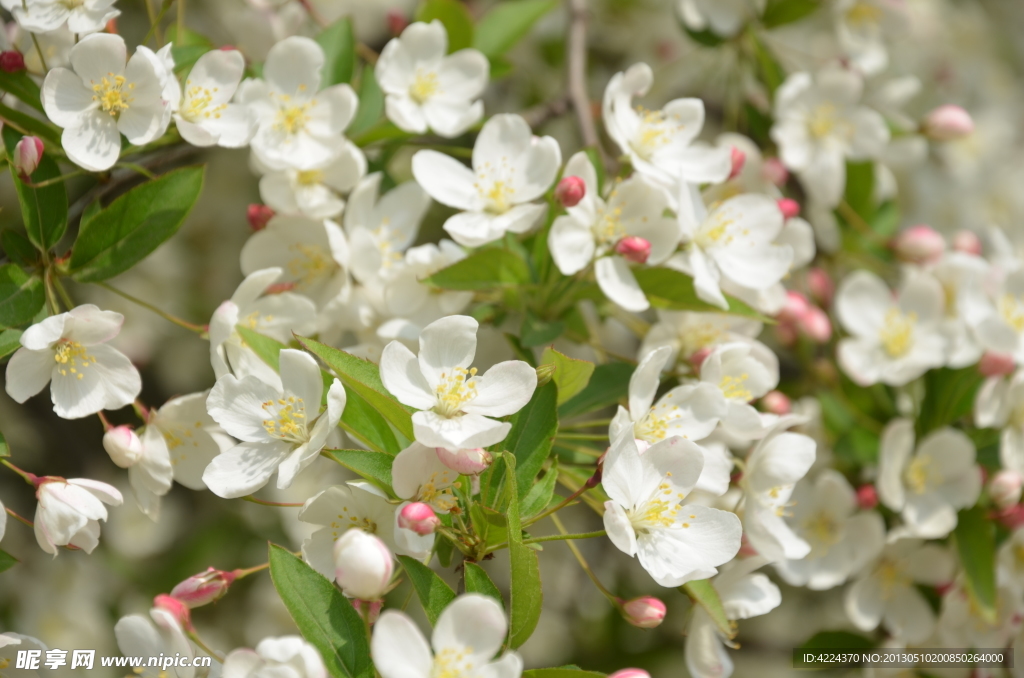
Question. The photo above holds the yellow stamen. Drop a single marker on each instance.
(454, 391)
(897, 335)
(111, 95)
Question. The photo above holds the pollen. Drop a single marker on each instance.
(656, 130)
(287, 420)
(918, 476)
(293, 118)
(112, 94)
(199, 104)
(897, 334)
(455, 390)
(424, 85)
(71, 359)
(734, 387)
(1012, 311)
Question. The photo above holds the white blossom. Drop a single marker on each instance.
(69, 512)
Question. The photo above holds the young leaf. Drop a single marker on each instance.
(267, 348)
(525, 593)
(371, 104)
(21, 296)
(608, 384)
(486, 269)
(477, 581)
(702, 593)
(456, 20)
(975, 542)
(536, 332)
(860, 188)
(366, 424)
(434, 594)
(44, 210)
(670, 289)
(7, 561)
(324, 616)
(507, 23)
(131, 227)
(10, 341)
(782, 12)
(539, 496)
(21, 86)
(374, 466)
(18, 248)
(339, 44)
(533, 432)
(5, 449)
(188, 47)
(571, 375)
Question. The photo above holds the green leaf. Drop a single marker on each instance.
(976, 543)
(267, 348)
(782, 12)
(838, 639)
(707, 38)
(671, 289)
(7, 561)
(533, 431)
(339, 45)
(887, 219)
(541, 493)
(948, 397)
(23, 87)
(860, 188)
(35, 126)
(488, 268)
(507, 23)
(18, 248)
(477, 581)
(371, 104)
(5, 449)
(374, 466)
(187, 48)
(363, 377)
(434, 594)
(325, 617)
(771, 72)
(10, 341)
(525, 593)
(44, 210)
(571, 375)
(702, 593)
(362, 421)
(607, 386)
(456, 19)
(130, 228)
(537, 332)
(21, 296)
(561, 672)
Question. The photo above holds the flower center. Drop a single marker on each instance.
(71, 358)
(897, 335)
(823, 530)
(651, 428)
(110, 94)
(608, 228)
(424, 86)
(863, 15)
(198, 103)
(311, 263)
(287, 419)
(917, 476)
(716, 233)
(1012, 312)
(656, 130)
(734, 387)
(72, 4)
(292, 118)
(309, 177)
(825, 121)
(660, 511)
(437, 491)
(454, 391)
(346, 520)
(892, 577)
(452, 663)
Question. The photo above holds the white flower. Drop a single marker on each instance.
(733, 243)
(863, 26)
(723, 17)
(660, 143)
(744, 594)
(363, 565)
(81, 17)
(406, 296)
(595, 226)
(824, 514)
(13, 643)
(456, 404)
(69, 350)
(425, 87)
(102, 98)
(69, 512)
(819, 126)
(281, 429)
(275, 315)
(645, 517)
(885, 593)
(205, 115)
(687, 332)
(894, 340)
(962, 278)
(1000, 404)
(511, 168)
(1000, 326)
(314, 193)
(739, 373)
(417, 474)
(299, 125)
(287, 656)
(380, 228)
(927, 486)
(466, 637)
(963, 623)
(161, 634)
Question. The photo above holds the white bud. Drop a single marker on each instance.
(1005, 488)
(947, 123)
(467, 462)
(123, 446)
(363, 565)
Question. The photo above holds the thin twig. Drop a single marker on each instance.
(199, 329)
(578, 72)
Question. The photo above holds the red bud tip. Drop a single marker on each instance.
(645, 612)
(175, 607)
(634, 248)
(278, 288)
(630, 673)
(397, 22)
(570, 190)
(996, 364)
(12, 61)
(815, 325)
(867, 497)
(739, 159)
(947, 123)
(774, 171)
(796, 307)
(419, 518)
(967, 242)
(820, 285)
(27, 154)
(258, 216)
(790, 208)
(698, 357)
(776, 402)
(203, 588)
(919, 245)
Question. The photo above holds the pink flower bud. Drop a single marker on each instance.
(1005, 488)
(570, 190)
(815, 325)
(967, 242)
(419, 518)
(27, 154)
(796, 307)
(258, 216)
(821, 286)
(867, 497)
(634, 248)
(646, 612)
(739, 159)
(947, 123)
(363, 565)
(698, 357)
(123, 446)
(630, 673)
(776, 402)
(369, 608)
(12, 61)
(790, 208)
(996, 364)
(919, 245)
(467, 462)
(397, 22)
(1012, 517)
(774, 171)
(203, 588)
(175, 607)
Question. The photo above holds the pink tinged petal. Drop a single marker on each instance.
(474, 624)
(619, 529)
(98, 56)
(504, 389)
(401, 375)
(94, 143)
(42, 533)
(65, 98)
(293, 67)
(398, 647)
(467, 431)
(87, 538)
(102, 491)
(446, 179)
(445, 345)
(28, 373)
(244, 468)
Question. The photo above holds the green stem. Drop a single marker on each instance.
(55, 180)
(552, 537)
(65, 297)
(199, 329)
(181, 22)
(30, 478)
(245, 572)
(594, 423)
(39, 51)
(582, 436)
(19, 518)
(195, 636)
(263, 502)
(562, 504)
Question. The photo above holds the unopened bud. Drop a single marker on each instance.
(545, 373)
(370, 609)
(698, 357)
(646, 612)
(175, 608)
(790, 208)
(570, 190)
(12, 61)
(419, 518)
(821, 286)
(815, 325)
(796, 307)
(867, 497)
(776, 402)
(123, 446)
(634, 248)
(996, 364)
(258, 216)
(1005, 488)
(27, 154)
(363, 565)
(919, 245)
(204, 588)
(967, 242)
(630, 673)
(739, 159)
(947, 123)
(775, 172)
(397, 22)
(468, 462)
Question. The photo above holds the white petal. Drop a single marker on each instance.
(94, 143)
(616, 280)
(619, 529)
(447, 344)
(472, 623)
(401, 375)
(244, 468)
(446, 179)
(398, 648)
(504, 389)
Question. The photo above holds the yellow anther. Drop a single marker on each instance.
(735, 387)
(455, 390)
(111, 95)
(897, 334)
(424, 85)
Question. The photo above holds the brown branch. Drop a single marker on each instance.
(578, 72)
